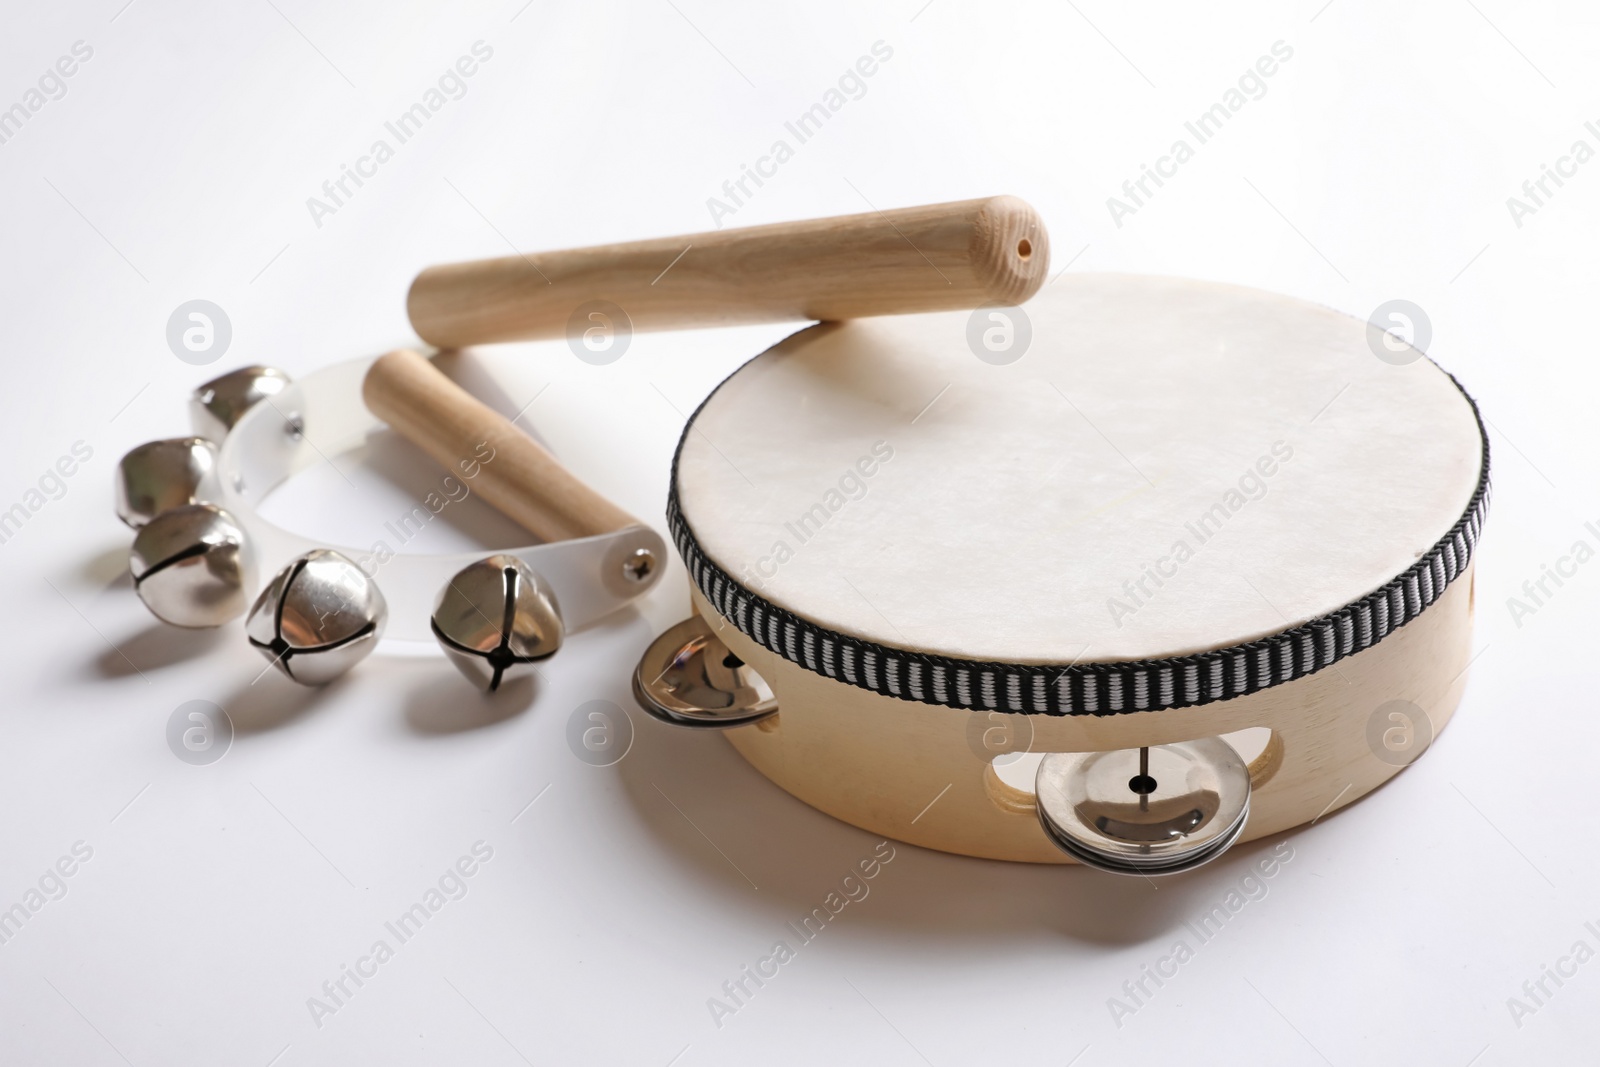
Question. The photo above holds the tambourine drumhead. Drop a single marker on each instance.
(1170, 467)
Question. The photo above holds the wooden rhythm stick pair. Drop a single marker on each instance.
(931, 258)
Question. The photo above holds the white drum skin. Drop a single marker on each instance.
(1162, 387)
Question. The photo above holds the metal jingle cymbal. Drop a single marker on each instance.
(688, 677)
(1147, 811)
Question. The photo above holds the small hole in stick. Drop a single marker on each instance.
(1024, 248)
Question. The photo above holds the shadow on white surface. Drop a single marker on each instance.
(108, 568)
(273, 701)
(157, 645)
(444, 705)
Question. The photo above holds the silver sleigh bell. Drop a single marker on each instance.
(221, 402)
(160, 475)
(318, 617)
(192, 566)
(495, 619)
(1146, 811)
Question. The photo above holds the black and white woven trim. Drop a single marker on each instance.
(1089, 688)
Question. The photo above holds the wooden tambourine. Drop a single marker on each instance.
(1133, 517)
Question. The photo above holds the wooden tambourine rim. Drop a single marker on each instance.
(1097, 688)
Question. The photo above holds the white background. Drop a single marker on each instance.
(219, 898)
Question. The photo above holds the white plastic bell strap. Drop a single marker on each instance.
(321, 416)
